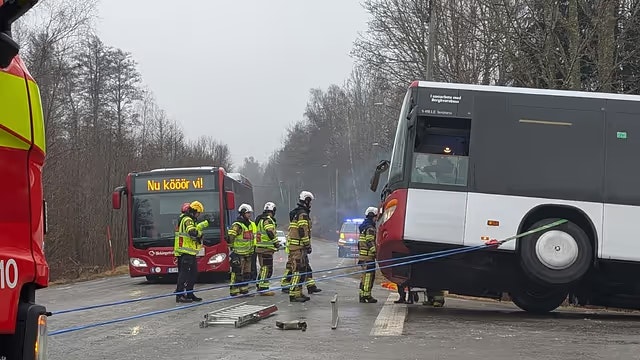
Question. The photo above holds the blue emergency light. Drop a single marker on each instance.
(354, 220)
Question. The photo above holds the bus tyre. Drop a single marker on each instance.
(538, 301)
(556, 256)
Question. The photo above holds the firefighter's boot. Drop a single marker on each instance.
(266, 292)
(193, 297)
(313, 289)
(368, 300)
(436, 300)
(183, 299)
(300, 298)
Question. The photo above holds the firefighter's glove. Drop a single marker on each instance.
(309, 250)
(235, 259)
(202, 225)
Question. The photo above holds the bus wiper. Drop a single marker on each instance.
(146, 243)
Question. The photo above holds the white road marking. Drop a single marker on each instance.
(390, 320)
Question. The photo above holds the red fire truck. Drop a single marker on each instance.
(23, 268)
(154, 199)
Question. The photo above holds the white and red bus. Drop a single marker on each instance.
(472, 163)
(154, 199)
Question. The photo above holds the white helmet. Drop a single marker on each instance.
(306, 195)
(371, 210)
(245, 208)
(269, 206)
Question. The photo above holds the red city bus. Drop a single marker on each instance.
(154, 199)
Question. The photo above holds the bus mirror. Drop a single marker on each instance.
(231, 200)
(381, 168)
(8, 50)
(374, 182)
(116, 196)
(115, 199)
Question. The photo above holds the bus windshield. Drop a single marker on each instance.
(439, 169)
(155, 216)
(349, 228)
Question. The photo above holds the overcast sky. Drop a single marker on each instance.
(238, 70)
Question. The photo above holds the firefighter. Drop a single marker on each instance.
(367, 254)
(286, 278)
(299, 245)
(187, 244)
(254, 257)
(183, 210)
(241, 237)
(266, 243)
(311, 283)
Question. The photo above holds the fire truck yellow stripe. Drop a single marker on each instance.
(15, 129)
(37, 116)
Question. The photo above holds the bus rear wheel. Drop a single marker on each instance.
(556, 256)
(538, 300)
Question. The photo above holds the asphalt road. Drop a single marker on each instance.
(463, 329)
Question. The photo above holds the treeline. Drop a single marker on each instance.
(101, 123)
(588, 45)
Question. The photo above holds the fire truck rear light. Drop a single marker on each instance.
(40, 349)
(484, 238)
(493, 222)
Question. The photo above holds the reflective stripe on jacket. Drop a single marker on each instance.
(242, 238)
(185, 243)
(266, 233)
(367, 243)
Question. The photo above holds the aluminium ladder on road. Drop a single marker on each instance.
(238, 315)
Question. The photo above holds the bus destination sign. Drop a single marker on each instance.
(174, 183)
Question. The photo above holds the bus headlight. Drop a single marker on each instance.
(216, 259)
(41, 339)
(135, 262)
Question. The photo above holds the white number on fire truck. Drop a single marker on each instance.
(8, 274)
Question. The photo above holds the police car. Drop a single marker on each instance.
(348, 238)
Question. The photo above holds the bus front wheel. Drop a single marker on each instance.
(556, 256)
(538, 301)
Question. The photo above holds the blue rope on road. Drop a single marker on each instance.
(424, 257)
(157, 312)
(153, 297)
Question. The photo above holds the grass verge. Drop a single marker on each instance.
(120, 270)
